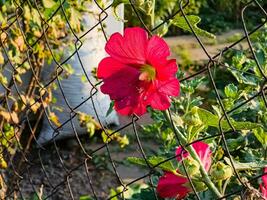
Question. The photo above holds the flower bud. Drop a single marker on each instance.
(192, 118)
(220, 171)
(199, 186)
(191, 166)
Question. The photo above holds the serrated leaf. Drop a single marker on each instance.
(154, 160)
(180, 22)
(210, 119)
(246, 166)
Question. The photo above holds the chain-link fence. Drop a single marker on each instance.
(49, 171)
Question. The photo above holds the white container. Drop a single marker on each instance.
(75, 90)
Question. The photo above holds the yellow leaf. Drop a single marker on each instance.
(3, 164)
(54, 119)
(34, 105)
(10, 116)
(2, 60)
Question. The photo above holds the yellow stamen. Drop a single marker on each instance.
(148, 73)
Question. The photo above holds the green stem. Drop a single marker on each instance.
(225, 185)
(220, 186)
(194, 155)
(152, 17)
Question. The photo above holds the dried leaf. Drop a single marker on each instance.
(10, 116)
(54, 119)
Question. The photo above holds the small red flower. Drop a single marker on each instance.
(172, 185)
(137, 73)
(263, 186)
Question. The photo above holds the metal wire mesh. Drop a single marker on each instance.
(22, 165)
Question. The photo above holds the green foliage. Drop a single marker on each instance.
(246, 166)
(160, 162)
(181, 22)
(237, 81)
(134, 192)
(153, 12)
(93, 127)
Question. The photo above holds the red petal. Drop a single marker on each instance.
(170, 87)
(203, 151)
(130, 48)
(109, 66)
(130, 105)
(121, 84)
(157, 49)
(159, 101)
(166, 69)
(172, 186)
(264, 177)
(263, 191)
(158, 92)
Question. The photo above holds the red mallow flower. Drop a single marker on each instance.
(137, 72)
(177, 186)
(263, 186)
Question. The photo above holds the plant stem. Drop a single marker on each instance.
(194, 155)
(152, 17)
(225, 185)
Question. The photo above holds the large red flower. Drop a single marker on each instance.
(177, 186)
(137, 73)
(263, 186)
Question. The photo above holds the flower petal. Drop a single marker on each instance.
(264, 177)
(130, 48)
(109, 66)
(157, 94)
(157, 48)
(121, 84)
(166, 69)
(172, 186)
(263, 191)
(130, 105)
(203, 151)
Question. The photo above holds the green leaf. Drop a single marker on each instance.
(210, 119)
(154, 160)
(180, 22)
(261, 135)
(115, 5)
(49, 3)
(118, 2)
(86, 197)
(110, 109)
(231, 91)
(75, 19)
(246, 166)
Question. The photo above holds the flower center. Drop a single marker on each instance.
(148, 73)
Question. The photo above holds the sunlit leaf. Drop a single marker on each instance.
(53, 118)
(246, 166)
(210, 119)
(180, 22)
(48, 3)
(154, 160)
